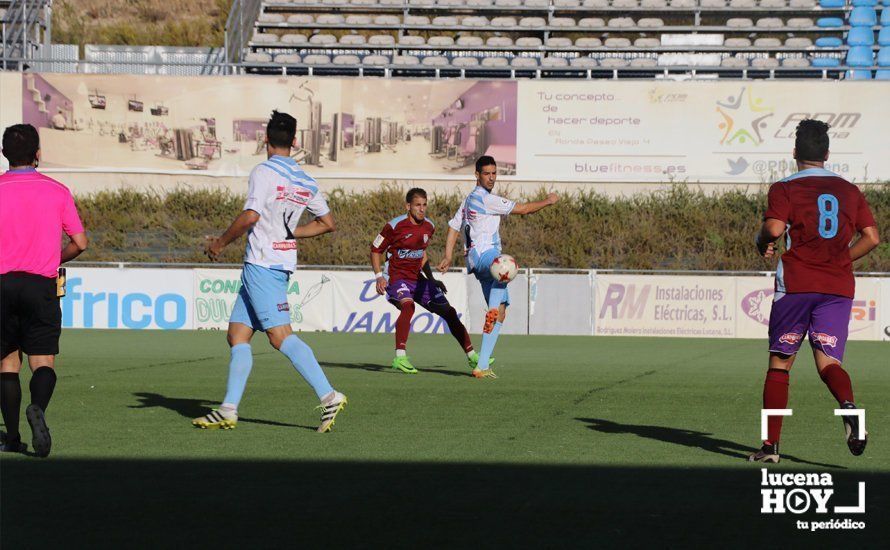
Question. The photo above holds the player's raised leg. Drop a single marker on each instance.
(828, 332)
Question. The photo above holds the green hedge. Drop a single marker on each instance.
(675, 229)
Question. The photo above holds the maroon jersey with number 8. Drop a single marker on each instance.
(823, 212)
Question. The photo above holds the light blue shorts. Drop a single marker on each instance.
(262, 300)
(481, 268)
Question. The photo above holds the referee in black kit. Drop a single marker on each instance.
(34, 211)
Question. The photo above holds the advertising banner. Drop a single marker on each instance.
(310, 297)
(129, 298)
(358, 307)
(651, 305)
(541, 130)
(755, 298)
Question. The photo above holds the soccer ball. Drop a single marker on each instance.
(504, 268)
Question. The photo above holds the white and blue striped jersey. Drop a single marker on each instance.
(279, 191)
(478, 220)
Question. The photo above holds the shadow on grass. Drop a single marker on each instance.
(106, 503)
(688, 438)
(193, 408)
(373, 367)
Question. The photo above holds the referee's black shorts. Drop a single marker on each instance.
(30, 314)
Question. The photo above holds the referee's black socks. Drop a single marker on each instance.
(11, 403)
(43, 382)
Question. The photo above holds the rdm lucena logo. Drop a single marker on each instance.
(743, 118)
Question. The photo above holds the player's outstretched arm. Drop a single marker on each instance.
(770, 231)
(868, 240)
(532, 207)
(450, 241)
(240, 226)
(318, 226)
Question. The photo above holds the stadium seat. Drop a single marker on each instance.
(863, 17)
(445, 21)
(884, 37)
(739, 23)
(625, 3)
(562, 22)
(713, 3)
(885, 17)
(495, 62)
(271, 18)
(496, 41)
(480, 3)
(826, 62)
(741, 3)
(450, 3)
(265, 38)
(764, 63)
(614, 62)
(329, 19)
(734, 62)
(257, 57)
(883, 74)
(411, 40)
(363, 3)
(532, 22)
(388, 20)
(435, 61)
(868, 3)
(591, 22)
(796, 62)
(597, 3)
(469, 41)
(317, 59)
(799, 22)
(858, 75)
(769, 23)
(558, 42)
(737, 43)
(617, 42)
(802, 4)
(507, 3)
(643, 62)
(829, 42)
(682, 3)
(552, 62)
(861, 36)
(860, 56)
(474, 21)
(650, 22)
(382, 40)
(588, 42)
(621, 22)
(565, 3)
(391, 2)
(347, 60)
(352, 40)
(421, 2)
(504, 22)
(529, 42)
(333, 2)
(294, 39)
(536, 3)
(773, 3)
(417, 20)
(440, 41)
(653, 4)
(524, 62)
(798, 42)
(647, 43)
(323, 39)
(829, 22)
(584, 62)
(832, 3)
(358, 20)
(301, 19)
(464, 62)
(883, 59)
(767, 42)
(375, 60)
(405, 60)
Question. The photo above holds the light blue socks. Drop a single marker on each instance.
(239, 369)
(304, 361)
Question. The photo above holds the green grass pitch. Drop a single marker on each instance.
(581, 442)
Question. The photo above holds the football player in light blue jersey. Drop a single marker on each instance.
(479, 219)
(278, 193)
